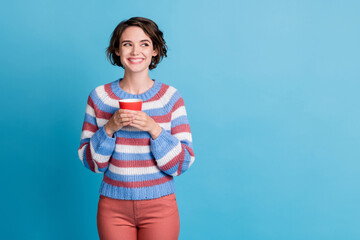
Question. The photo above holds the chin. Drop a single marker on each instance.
(136, 70)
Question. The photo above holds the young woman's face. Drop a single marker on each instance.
(135, 50)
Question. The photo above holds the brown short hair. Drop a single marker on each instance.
(150, 28)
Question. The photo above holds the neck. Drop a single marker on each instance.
(136, 83)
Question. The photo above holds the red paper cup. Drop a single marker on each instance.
(131, 104)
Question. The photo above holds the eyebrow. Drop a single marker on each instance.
(144, 40)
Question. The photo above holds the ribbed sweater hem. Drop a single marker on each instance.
(144, 193)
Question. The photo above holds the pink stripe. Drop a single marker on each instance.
(162, 119)
(110, 93)
(89, 127)
(89, 158)
(138, 184)
(134, 163)
(178, 104)
(180, 128)
(190, 150)
(133, 141)
(102, 165)
(175, 160)
(181, 161)
(99, 113)
(83, 145)
(160, 93)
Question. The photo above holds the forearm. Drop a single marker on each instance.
(172, 155)
(108, 131)
(155, 131)
(96, 151)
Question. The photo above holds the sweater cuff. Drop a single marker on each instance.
(164, 143)
(102, 143)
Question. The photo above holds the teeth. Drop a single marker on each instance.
(135, 60)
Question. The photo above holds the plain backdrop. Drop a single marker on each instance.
(272, 94)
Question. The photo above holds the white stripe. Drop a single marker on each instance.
(86, 134)
(181, 111)
(166, 125)
(81, 153)
(96, 168)
(120, 148)
(183, 136)
(160, 102)
(98, 157)
(130, 129)
(101, 122)
(90, 110)
(81, 156)
(192, 159)
(103, 95)
(133, 171)
(170, 155)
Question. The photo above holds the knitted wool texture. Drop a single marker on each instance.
(135, 166)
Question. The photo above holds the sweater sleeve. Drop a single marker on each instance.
(173, 151)
(96, 147)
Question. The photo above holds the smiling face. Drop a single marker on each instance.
(135, 50)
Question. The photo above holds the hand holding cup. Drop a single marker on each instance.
(123, 116)
(118, 120)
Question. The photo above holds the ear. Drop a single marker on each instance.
(117, 53)
(155, 53)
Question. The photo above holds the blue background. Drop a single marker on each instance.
(272, 93)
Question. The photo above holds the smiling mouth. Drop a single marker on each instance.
(136, 60)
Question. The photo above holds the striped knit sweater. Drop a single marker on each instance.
(135, 166)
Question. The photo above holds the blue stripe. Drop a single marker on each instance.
(179, 120)
(129, 134)
(84, 158)
(165, 109)
(151, 112)
(173, 169)
(102, 150)
(103, 107)
(141, 193)
(170, 147)
(84, 140)
(103, 169)
(186, 162)
(133, 156)
(135, 178)
(90, 119)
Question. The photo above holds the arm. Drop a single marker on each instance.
(173, 151)
(96, 147)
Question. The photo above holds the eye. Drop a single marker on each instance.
(142, 44)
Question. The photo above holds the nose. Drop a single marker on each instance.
(135, 50)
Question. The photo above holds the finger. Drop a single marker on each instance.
(138, 122)
(136, 125)
(125, 111)
(129, 111)
(125, 115)
(125, 120)
(125, 123)
(139, 117)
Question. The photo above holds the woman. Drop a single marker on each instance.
(139, 152)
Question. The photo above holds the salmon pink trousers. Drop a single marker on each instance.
(153, 219)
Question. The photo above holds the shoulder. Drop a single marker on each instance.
(169, 92)
(171, 97)
(101, 92)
